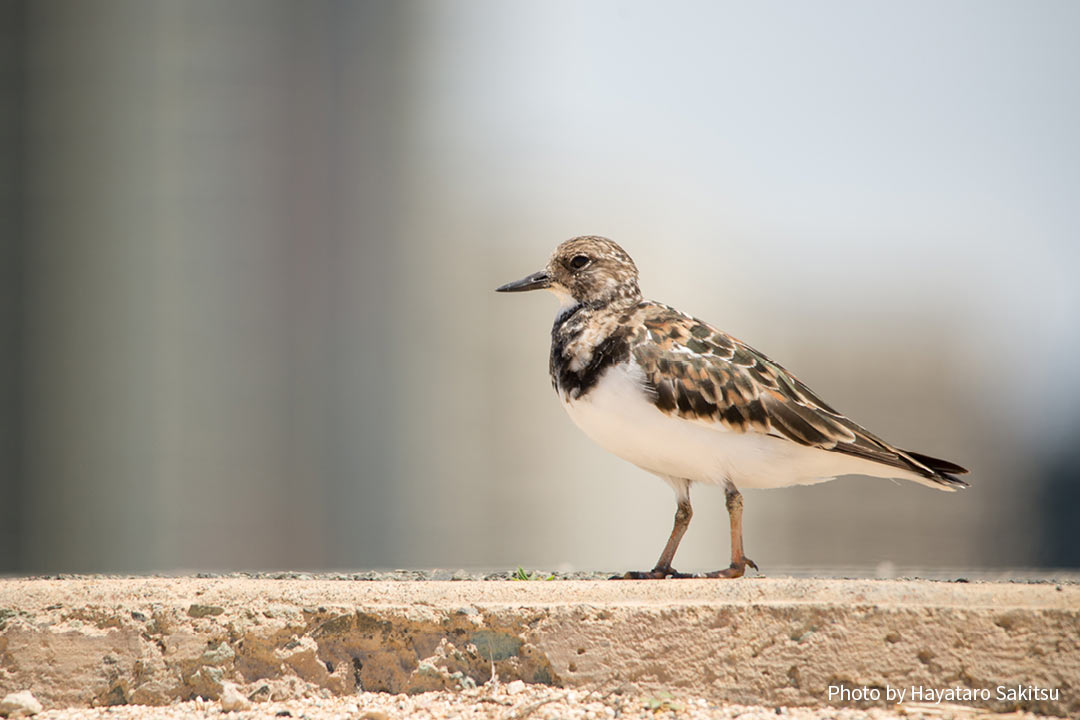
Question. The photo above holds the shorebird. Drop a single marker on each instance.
(691, 404)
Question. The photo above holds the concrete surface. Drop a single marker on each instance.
(515, 701)
(759, 641)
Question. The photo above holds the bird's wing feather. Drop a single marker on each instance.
(697, 372)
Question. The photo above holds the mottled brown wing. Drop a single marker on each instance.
(699, 373)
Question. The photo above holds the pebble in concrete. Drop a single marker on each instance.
(232, 699)
(19, 704)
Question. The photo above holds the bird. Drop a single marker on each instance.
(691, 404)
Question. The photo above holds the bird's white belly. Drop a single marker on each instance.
(618, 416)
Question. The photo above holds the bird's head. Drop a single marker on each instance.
(590, 270)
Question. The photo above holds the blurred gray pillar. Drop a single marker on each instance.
(12, 89)
(205, 203)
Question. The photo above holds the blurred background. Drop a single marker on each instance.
(248, 252)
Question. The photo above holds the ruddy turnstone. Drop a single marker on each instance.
(691, 404)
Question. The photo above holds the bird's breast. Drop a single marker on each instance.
(579, 358)
(618, 414)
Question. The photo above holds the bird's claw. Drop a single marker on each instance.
(736, 569)
(656, 573)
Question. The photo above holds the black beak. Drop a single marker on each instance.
(536, 281)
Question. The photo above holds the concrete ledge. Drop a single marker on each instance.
(96, 641)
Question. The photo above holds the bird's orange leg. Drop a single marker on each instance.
(739, 561)
(663, 568)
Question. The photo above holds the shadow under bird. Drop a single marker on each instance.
(691, 404)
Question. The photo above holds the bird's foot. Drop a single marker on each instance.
(657, 573)
(736, 569)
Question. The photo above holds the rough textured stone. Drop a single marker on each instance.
(98, 641)
(232, 700)
(19, 704)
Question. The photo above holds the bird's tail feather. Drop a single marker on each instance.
(945, 472)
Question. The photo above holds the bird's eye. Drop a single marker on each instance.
(579, 261)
